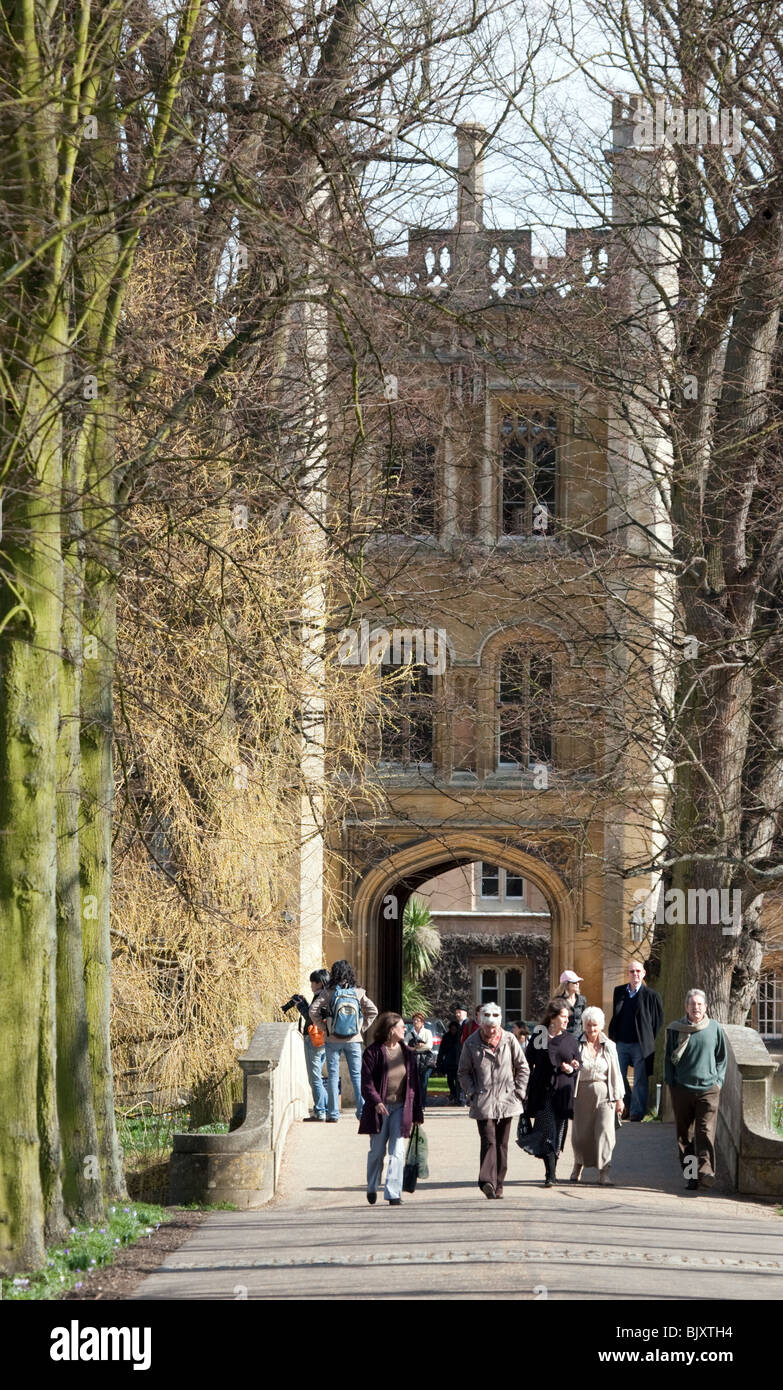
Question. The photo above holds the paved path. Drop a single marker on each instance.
(643, 1239)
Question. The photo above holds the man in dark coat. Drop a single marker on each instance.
(637, 1016)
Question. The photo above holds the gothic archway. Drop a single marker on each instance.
(384, 889)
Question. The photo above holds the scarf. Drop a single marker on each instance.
(683, 1025)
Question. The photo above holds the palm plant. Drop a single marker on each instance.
(421, 947)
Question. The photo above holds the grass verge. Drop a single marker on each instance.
(88, 1248)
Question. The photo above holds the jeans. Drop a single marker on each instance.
(630, 1054)
(424, 1080)
(353, 1056)
(314, 1060)
(391, 1134)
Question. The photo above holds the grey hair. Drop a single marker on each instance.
(593, 1014)
(690, 995)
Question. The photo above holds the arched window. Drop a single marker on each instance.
(524, 701)
(529, 486)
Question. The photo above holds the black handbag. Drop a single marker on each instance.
(524, 1127)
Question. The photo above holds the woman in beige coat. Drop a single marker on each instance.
(493, 1073)
(599, 1097)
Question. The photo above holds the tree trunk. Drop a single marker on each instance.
(96, 836)
(33, 333)
(30, 611)
(82, 1186)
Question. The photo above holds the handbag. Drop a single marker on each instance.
(316, 1035)
(524, 1127)
(415, 1160)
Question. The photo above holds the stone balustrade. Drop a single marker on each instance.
(750, 1151)
(242, 1167)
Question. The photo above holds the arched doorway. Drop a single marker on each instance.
(385, 888)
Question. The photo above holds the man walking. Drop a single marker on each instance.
(493, 1073)
(470, 1025)
(461, 1015)
(637, 1015)
(696, 1058)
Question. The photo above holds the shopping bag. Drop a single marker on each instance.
(415, 1160)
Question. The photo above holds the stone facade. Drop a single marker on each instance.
(451, 982)
(446, 784)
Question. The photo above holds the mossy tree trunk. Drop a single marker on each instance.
(33, 329)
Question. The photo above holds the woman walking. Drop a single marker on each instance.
(420, 1042)
(553, 1055)
(599, 1097)
(493, 1074)
(577, 1003)
(392, 1105)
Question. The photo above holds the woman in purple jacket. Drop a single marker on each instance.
(392, 1105)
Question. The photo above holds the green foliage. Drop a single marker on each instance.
(421, 944)
(87, 1248)
(420, 949)
(150, 1132)
(413, 1000)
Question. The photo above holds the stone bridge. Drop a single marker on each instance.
(644, 1239)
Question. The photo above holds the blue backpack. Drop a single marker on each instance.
(345, 1012)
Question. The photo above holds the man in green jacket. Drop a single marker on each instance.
(696, 1057)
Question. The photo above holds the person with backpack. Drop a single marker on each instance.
(345, 1012)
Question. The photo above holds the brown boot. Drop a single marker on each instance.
(576, 1172)
(603, 1177)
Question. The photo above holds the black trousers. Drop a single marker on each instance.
(494, 1135)
(451, 1077)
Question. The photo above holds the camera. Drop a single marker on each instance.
(293, 1003)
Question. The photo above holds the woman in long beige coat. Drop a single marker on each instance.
(599, 1096)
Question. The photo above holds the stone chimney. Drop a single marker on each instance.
(471, 140)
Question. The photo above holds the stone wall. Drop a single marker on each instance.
(450, 982)
(242, 1167)
(750, 1151)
